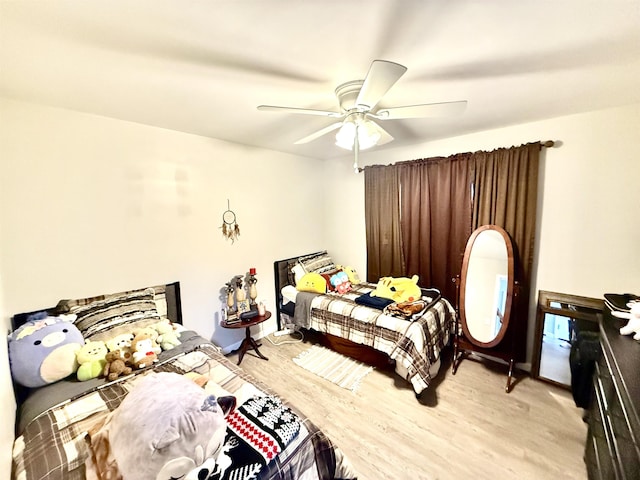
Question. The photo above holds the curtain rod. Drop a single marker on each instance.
(545, 143)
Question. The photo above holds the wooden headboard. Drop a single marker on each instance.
(171, 292)
(281, 269)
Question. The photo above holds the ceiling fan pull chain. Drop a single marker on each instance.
(356, 149)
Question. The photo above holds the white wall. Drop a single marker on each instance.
(90, 205)
(588, 232)
(7, 402)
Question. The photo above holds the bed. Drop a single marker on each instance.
(372, 334)
(59, 426)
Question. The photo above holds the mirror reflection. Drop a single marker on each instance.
(557, 334)
(562, 320)
(486, 286)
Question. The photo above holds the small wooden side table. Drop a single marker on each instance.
(248, 341)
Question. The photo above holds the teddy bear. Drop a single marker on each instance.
(115, 365)
(121, 342)
(91, 360)
(633, 325)
(167, 336)
(153, 333)
(143, 354)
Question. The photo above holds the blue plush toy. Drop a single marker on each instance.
(43, 350)
(340, 282)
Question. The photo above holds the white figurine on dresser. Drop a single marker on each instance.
(633, 325)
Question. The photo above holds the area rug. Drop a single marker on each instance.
(343, 371)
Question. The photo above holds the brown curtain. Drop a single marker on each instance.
(382, 216)
(506, 186)
(435, 218)
(438, 212)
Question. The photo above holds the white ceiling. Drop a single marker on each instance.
(203, 66)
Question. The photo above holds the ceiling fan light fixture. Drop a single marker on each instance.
(368, 135)
(358, 114)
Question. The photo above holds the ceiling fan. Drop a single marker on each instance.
(357, 116)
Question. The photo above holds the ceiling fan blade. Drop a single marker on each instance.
(421, 111)
(304, 111)
(381, 77)
(319, 133)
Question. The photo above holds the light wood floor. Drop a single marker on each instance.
(465, 426)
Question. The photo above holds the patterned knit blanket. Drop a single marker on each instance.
(257, 431)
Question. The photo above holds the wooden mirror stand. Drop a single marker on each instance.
(485, 292)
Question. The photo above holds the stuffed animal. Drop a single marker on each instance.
(115, 366)
(197, 378)
(164, 428)
(633, 325)
(91, 360)
(400, 289)
(43, 350)
(167, 336)
(312, 282)
(340, 282)
(121, 342)
(354, 278)
(143, 353)
(153, 333)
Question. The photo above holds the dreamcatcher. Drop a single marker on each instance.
(230, 228)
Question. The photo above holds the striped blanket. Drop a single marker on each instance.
(54, 444)
(414, 345)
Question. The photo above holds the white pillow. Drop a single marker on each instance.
(289, 294)
(298, 272)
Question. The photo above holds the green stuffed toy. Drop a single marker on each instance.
(167, 337)
(400, 289)
(92, 358)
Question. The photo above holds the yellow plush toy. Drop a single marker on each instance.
(354, 279)
(312, 282)
(400, 289)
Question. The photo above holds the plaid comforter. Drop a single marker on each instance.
(415, 345)
(54, 444)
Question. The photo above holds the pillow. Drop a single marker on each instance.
(289, 293)
(291, 280)
(312, 282)
(103, 319)
(318, 263)
(43, 351)
(327, 278)
(298, 272)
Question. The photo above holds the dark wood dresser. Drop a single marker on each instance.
(613, 441)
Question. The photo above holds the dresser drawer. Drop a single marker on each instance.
(613, 445)
(600, 435)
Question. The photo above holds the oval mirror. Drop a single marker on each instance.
(486, 286)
